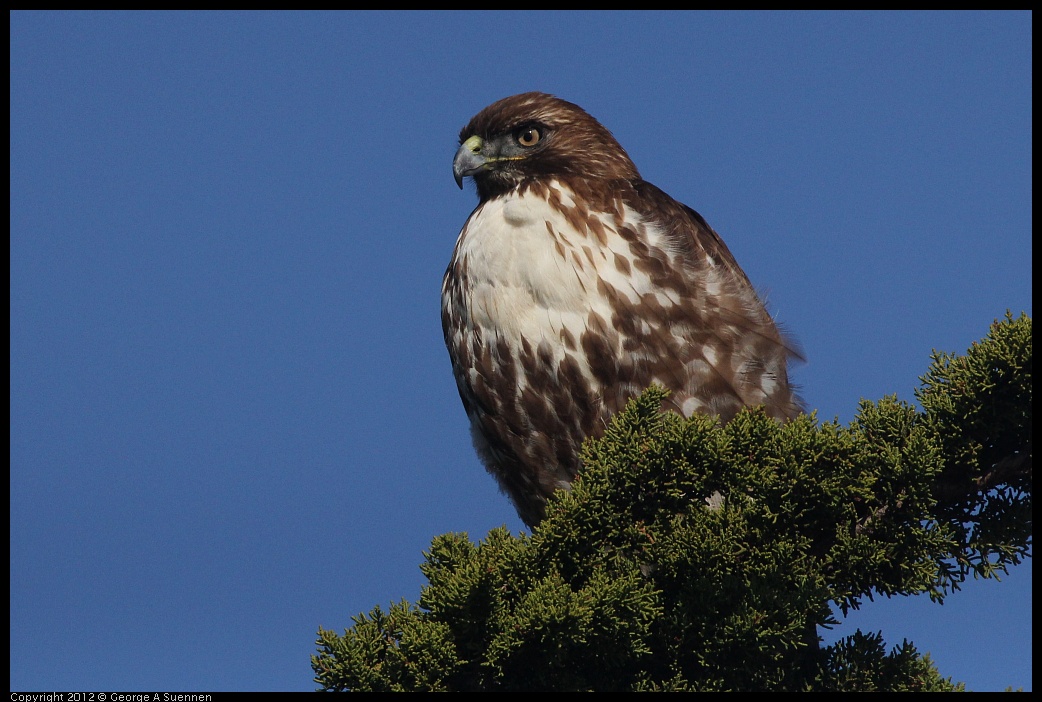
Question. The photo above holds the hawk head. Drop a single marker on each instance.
(535, 136)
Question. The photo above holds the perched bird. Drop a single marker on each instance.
(574, 285)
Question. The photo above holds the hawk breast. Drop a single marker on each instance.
(539, 307)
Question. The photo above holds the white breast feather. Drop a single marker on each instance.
(519, 285)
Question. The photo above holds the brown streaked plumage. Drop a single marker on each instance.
(574, 285)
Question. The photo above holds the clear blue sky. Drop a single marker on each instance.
(232, 414)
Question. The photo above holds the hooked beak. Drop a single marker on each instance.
(469, 159)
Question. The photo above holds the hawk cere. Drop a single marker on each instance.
(574, 285)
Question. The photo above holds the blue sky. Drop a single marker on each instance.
(232, 414)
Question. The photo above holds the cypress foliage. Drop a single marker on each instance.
(694, 556)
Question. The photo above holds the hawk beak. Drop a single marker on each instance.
(468, 159)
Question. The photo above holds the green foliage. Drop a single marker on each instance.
(859, 663)
(694, 556)
(979, 406)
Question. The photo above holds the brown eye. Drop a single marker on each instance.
(528, 136)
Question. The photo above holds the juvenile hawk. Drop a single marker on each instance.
(574, 285)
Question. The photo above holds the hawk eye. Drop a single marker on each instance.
(528, 136)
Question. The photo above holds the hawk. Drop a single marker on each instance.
(574, 285)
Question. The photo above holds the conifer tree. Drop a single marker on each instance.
(694, 556)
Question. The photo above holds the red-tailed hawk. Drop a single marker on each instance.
(574, 285)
